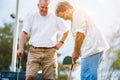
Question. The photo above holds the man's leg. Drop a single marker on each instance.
(89, 67)
(49, 65)
(47, 79)
(33, 65)
(30, 77)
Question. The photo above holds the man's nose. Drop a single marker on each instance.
(45, 9)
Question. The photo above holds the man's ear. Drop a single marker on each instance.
(38, 5)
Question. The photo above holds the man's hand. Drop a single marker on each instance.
(61, 42)
(75, 56)
(19, 53)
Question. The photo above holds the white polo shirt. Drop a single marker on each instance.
(42, 29)
(94, 41)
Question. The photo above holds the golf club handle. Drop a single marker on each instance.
(18, 62)
(71, 66)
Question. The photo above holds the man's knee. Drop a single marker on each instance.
(30, 77)
(46, 79)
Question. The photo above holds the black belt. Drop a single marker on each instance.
(42, 47)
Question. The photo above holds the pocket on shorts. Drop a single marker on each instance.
(31, 49)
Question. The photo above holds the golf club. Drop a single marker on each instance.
(70, 73)
(68, 61)
(18, 67)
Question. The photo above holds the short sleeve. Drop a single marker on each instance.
(79, 22)
(61, 25)
(28, 24)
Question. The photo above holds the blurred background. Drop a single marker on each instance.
(105, 13)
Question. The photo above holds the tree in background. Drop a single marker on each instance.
(109, 68)
(5, 46)
(6, 42)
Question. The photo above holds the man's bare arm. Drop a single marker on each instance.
(61, 42)
(77, 45)
(78, 41)
(21, 44)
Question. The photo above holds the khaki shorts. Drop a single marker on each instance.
(44, 59)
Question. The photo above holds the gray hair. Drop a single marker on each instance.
(45, 1)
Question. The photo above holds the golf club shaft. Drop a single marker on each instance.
(70, 74)
(18, 67)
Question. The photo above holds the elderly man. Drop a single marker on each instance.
(42, 27)
(89, 42)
